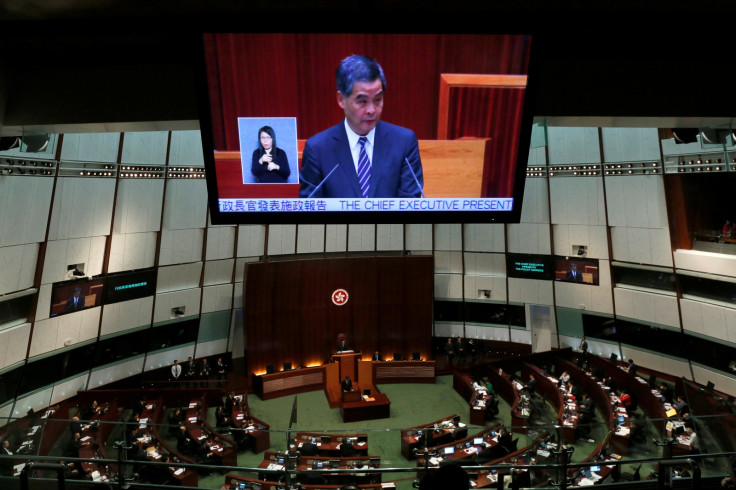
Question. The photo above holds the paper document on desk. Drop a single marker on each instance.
(179, 471)
(85, 438)
(274, 466)
(434, 461)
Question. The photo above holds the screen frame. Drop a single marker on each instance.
(218, 217)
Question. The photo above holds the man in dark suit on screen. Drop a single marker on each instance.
(361, 157)
(76, 302)
(574, 274)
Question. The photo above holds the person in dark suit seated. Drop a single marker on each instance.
(176, 419)
(347, 384)
(309, 448)
(76, 302)
(666, 392)
(75, 425)
(230, 402)
(342, 345)
(586, 411)
(139, 407)
(224, 421)
(573, 274)
(93, 411)
(75, 444)
(681, 406)
(505, 440)
(611, 383)
(531, 385)
(347, 450)
(491, 406)
(132, 429)
(448, 477)
(377, 356)
(6, 465)
(631, 368)
(205, 455)
(184, 443)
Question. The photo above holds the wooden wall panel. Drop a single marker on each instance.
(290, 317)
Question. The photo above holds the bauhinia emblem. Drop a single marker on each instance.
(339, 297)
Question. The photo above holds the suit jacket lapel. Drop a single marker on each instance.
(381, 156)
(344, 158)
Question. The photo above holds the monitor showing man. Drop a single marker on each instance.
(362, 157)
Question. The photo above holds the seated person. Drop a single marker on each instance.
(625, 399)
(692, 439)
(184, 443)
(631, 368)
(666, 392)
(492, 406)
(347, 384)
(681, 405)
(347, 450)
(223, 419)
(505, 440)
(530, 385)
(586, 411)
(205, 455)
(175, 420)
(309, 448)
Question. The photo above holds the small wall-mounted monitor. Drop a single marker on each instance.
(397, 356)
(577, 270)
(75, 295)
(415, 356)
(287, 366)
(270, 369)
(529, 266)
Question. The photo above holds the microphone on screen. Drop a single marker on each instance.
(323, 181)
(415, 177)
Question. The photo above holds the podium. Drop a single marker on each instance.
(348, 362)
(352, 395)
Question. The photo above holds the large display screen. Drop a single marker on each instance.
(448, 127)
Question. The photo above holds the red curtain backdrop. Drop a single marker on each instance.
(493, 113)
(293, 75)
(290, 317)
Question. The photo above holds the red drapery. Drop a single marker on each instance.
(293, 75)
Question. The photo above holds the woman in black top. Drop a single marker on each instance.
(269, 164)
